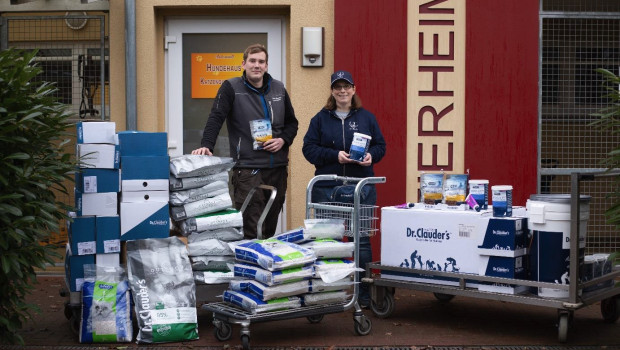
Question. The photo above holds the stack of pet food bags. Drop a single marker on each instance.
(201, 208)
(277, 273)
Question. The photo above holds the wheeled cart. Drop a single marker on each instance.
(359, 220)
(383, 287)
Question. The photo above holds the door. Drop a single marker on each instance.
(187, 109)
(190, 44)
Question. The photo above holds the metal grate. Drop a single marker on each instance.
(577, 38)
(70, 48)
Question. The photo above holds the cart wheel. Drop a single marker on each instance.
(315, 318)
(224, 332)
(563, 327)
(245, 342)
(443, 297)
(68, 311)
(75, 324)
(386, 308)
(610, 309)
(363, 327)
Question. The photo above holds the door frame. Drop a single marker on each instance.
(176, 26)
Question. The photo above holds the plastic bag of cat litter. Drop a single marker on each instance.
(272, 278)
(330, 248)
(163, 288)
(106, 306)
(253, 304)
(324, 228)
(330, 270)
(265, 293)
(191, 165)
(273, 254)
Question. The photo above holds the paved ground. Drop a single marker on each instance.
(419, 321)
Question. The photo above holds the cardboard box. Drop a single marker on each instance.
(140, 220)
(140, 143)
(505, 267)
(144, 173)
(112, 259)
(82, 235)
(74, 269)
(98, 155)
(102, 204)
(438, 240)
(108, 234)
(505, 236)
(98, 180)
(96, 132)
(145, 196)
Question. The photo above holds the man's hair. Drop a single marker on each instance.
(255, 48)
(356, 103)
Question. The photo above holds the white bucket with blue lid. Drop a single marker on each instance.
(549, 220)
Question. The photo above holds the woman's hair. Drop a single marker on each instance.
(255, 48)
(356, 102)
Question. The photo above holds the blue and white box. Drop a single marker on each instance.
(98, 180)
(108, 234)
(102, 204)
(96, 132)
(145, 173)
(144, 219)
(98, 155)
(74, 269)
(505, 237)
(82, 235)
(141, 143)
(504, 267)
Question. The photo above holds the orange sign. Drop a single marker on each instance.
(209, 70)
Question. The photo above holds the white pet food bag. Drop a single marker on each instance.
(265, 293)
(201, 207)
(163, 288)
(193, 165)
(324, 298)
(324, 228)
(272, 278)
(195, 194)
(221, 219)
(226, 234)
(187, 183)
(330, 248)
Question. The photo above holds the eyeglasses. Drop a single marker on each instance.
(342, 86)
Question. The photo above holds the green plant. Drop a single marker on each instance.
(609, 121)
(34, 167)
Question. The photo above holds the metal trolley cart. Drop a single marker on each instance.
(359, 220)
(382, 289)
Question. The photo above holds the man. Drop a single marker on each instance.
(255, 98)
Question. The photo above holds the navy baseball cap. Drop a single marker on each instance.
(342, 75)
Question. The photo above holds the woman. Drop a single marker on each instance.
(327, 143)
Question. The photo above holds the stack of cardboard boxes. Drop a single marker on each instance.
(94, 234)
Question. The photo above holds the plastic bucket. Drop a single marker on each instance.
(479, 189)
(549, 219)
(502, 200)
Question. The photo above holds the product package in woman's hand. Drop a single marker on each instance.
(359, 146)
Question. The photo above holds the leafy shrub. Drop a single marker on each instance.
(34, 166)
(609, 121)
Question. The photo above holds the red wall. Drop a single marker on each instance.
(371, 43)
(501, 94)
(501, 100)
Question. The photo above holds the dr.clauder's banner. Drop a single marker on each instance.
(209, 70)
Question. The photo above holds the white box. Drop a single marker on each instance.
(96, 132)
(110, 259)
(140, 220)
(440, 240)
(145, 196)
(101, 204)
(98, 155)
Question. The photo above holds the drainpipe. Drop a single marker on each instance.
(130, 65)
